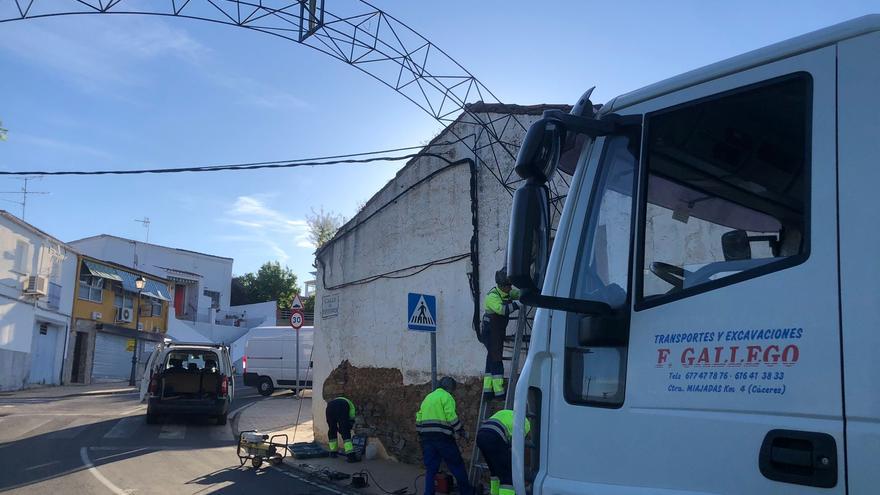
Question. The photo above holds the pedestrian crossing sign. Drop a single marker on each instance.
(421, 312)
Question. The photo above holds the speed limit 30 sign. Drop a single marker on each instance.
(297, 318)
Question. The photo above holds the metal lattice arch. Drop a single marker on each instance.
(354, 32)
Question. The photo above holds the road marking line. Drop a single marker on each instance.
(123, 428)
(97, 474)
(172, 432)
(71, 429)
(121, 453)
(38, 466)
(23, 433)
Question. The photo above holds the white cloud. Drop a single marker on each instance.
(271, 229)
(58, 145)
(104, 53)
(96, 53)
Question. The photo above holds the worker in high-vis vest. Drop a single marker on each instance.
(340, 414)
(498, 305)
(494, 441)
(437, 422)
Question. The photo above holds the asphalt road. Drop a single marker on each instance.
(102, 445)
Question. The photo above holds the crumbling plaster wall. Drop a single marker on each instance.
(369, 330)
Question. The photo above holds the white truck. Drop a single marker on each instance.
(709, 316)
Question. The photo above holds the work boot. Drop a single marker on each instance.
(488, 393)
(352, 457)
(494, 485)
(506, 490)
(334, 454)
(333, 446)
(498, 386)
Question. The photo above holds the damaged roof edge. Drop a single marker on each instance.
(478, 107)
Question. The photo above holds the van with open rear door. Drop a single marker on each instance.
(190, 379)
(709, 314)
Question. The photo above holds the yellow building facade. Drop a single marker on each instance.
(118, 313)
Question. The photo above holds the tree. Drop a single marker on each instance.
(272, 282)
(323, 226)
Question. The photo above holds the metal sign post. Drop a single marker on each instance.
(297, 318)
(421, 316)
(433, 360)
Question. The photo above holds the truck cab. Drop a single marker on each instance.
(708, 313)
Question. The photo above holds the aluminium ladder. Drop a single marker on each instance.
(512, 353)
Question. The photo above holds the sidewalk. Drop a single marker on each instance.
(279, 415)
(72, 390)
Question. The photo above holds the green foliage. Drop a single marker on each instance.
(309, 304)
(272, 282)
(323, 226)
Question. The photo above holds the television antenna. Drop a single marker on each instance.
(146, 223)
(24, 193)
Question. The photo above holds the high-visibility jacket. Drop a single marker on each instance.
(437, 414)
(502, 424)
(351, 409)
(499, 302)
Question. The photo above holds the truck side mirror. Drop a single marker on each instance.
(539, 154)
(529, 236)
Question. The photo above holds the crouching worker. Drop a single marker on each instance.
(494, 441)
(340, 415)
(437, 422)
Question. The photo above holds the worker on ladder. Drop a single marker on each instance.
(437, 422)
(494, 439)
(340, 414)
(499, 303)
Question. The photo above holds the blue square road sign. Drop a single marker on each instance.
(421, 312)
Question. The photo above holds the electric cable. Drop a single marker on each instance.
(292, 163)
(390, 275)
(399, 491)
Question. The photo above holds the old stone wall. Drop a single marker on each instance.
(388, 406)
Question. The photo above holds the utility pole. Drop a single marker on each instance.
(146, 222)
(24, 194)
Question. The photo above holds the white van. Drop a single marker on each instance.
(271, 362)
(709, 313)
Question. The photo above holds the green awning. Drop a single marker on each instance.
(152, 288)
(103, 271)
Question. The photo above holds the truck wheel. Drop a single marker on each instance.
(221, 419)
(265, 387)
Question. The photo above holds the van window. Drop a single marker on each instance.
(194, 360)
(726, 189)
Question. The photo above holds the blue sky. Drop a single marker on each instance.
(90, 92)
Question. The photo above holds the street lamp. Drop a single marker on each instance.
(139, 284)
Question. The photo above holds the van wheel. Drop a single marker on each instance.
(221, 419)
(265, 387)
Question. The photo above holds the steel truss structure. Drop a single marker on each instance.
(354, 32)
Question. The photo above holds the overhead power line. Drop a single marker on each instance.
(299, 162)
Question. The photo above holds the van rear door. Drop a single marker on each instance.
(713, 235)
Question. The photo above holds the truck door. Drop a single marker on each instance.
(712, 235)
(858, 129)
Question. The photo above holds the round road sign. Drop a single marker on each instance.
(297, 318)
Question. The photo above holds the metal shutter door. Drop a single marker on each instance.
(112, 361)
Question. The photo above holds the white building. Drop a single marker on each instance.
(416, 235)
(37, 282)
(201, 281)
